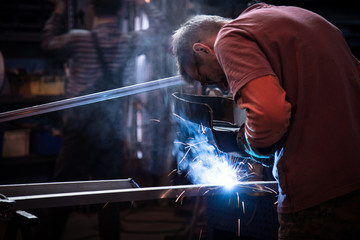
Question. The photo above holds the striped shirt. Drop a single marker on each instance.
(118, 48)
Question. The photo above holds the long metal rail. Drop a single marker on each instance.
(91, 98)
(43, 195)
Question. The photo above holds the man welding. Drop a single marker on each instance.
(294, 74)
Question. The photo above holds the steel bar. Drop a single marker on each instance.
(136, 194)
(91, 98)
(15, 190)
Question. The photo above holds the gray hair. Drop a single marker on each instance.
(194, 30)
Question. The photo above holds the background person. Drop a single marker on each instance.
(93, 144)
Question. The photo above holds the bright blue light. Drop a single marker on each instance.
(204, 163)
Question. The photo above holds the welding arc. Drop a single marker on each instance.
(91, 98)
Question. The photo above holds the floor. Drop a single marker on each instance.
(194, 218)
(151, 220)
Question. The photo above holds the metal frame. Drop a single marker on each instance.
(57, 194)
(91, 98)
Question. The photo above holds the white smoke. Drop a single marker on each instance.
(198, 156)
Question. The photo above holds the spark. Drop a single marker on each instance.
(263, 189)
(206, 192)
(238, 200)
(195, 144)
(154, 120)
(210, 165)
(177, 199)
(178, 116)
(181, 200)
(172, 172)
(185, 155)
(270, 190)
(166, 193)
(105, 205)
(176, 142)
(195, 158)
(202, 128)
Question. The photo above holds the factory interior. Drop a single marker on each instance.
(145, 195)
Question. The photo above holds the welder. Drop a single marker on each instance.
(296, 77)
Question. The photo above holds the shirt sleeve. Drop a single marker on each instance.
(53, 38)
(240, 56)
(267, 111)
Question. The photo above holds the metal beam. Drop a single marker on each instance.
(15, 190)
(91, 98)
(76, 197)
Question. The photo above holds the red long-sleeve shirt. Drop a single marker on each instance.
(268, 113)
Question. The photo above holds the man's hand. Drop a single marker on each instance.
(263, 156)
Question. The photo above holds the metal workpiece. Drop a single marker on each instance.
(43, 195)
(15, 190)
(91, 98)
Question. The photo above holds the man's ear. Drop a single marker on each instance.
(200, 48)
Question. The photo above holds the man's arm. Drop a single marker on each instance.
(52, 37)
(267, 111)
(267, 115)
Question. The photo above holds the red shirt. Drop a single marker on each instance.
(314, 66)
